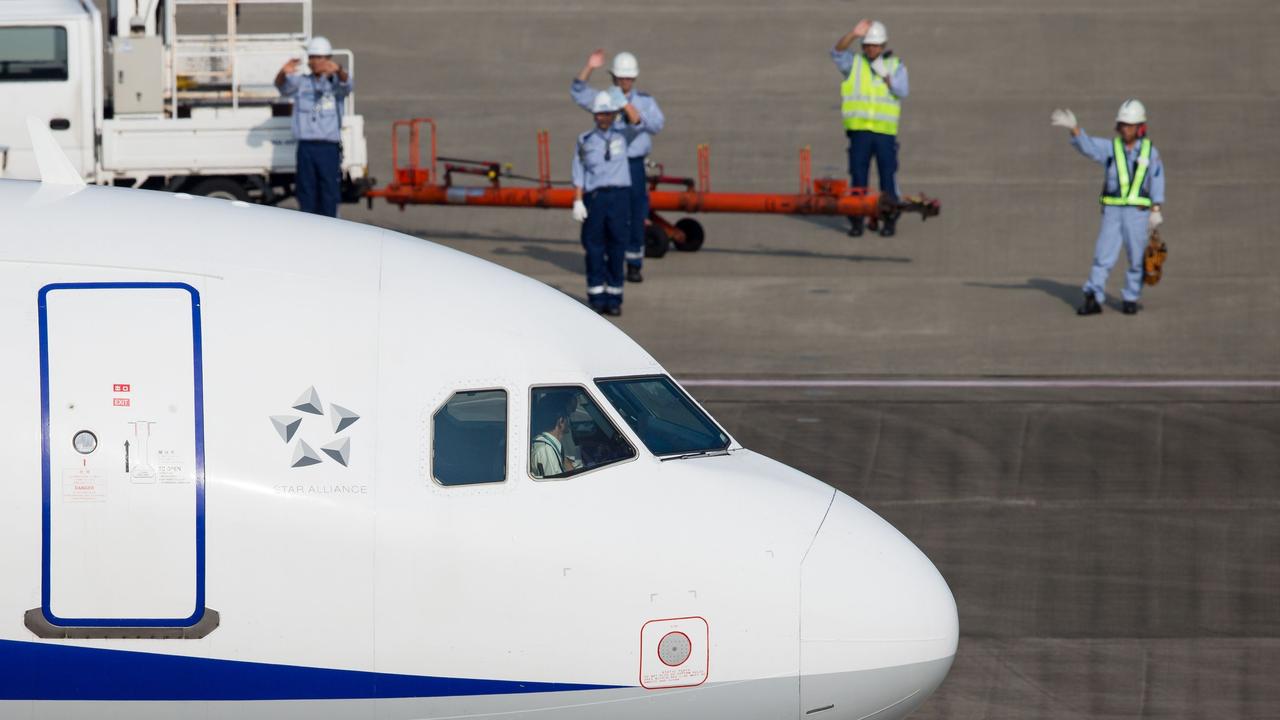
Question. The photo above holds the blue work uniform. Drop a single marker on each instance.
(317, 127)
(600, 168)
(1122, 225)
(639, 145)
(865, 144)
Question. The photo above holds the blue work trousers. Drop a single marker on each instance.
(319, 177)
(639, 213)
(863, 145)
(1121, 226)
(604, 235)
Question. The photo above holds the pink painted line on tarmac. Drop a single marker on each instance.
(988, 383)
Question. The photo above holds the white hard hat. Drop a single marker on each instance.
(1132, 112)
(319, 45)
(876, 34)
(625, 66)
(603, 103)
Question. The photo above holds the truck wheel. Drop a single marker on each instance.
(656, 242)
(693, 235)
(220, 188)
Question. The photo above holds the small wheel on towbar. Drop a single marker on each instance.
(222, 188)
(656, 241)
(693, 235)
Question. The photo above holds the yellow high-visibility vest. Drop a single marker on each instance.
(868, 104)
(1130, 194)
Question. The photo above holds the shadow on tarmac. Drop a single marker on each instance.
(568, 261)
(1069, 294)
(572, 261)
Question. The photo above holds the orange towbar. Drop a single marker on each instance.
(419, 183)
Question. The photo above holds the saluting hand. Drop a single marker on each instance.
(596, 60)
(862, 27)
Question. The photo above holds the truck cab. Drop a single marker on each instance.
(49, 70)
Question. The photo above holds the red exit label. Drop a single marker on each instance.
(120, 402)
(120, 387)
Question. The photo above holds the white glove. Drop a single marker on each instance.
(618, 97)
(1063, 118)
(579, 211)
(877, 67)
(1154, 220)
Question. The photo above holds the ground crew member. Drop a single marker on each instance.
(875, 82)
(602, 203)
(641, 119)
(318, 100)
(1132, 193)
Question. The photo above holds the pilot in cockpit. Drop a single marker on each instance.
(550, 423)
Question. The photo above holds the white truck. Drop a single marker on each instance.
(185, 112)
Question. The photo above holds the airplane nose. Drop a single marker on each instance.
(878, 624)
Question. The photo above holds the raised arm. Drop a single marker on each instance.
(1095, 149)
(287, 71)
(859, 31)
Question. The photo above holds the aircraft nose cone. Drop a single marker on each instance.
(878, 624)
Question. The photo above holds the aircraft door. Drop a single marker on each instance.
(122, 459)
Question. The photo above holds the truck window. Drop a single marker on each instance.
(469, 438)
(30, 54)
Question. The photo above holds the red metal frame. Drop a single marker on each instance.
(415, 184)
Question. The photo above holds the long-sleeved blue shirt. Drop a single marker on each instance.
(600, 160)
(1100, 151)
(899, 84)
(639, 137)
(317, 105)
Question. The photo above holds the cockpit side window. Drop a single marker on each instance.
(469, 438)
(667, 421)
(569, 434)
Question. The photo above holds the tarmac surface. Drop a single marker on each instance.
(1115, 552)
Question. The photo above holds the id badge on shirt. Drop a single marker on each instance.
(617, 146)
(328, 104)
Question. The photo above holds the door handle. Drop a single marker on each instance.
(59, 124)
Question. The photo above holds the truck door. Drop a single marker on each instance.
(122, 457)
(46, 71)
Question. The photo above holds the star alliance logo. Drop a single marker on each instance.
(337, 450)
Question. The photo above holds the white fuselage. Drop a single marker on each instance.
(224, 571)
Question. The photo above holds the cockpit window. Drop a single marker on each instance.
(568, 434)
(667, 421)
(469, 438)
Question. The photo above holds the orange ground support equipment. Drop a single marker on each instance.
(418, 181)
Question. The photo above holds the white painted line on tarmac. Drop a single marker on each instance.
(989, 383)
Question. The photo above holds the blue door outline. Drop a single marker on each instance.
(45, 545)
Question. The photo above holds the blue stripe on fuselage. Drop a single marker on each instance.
(42, 671)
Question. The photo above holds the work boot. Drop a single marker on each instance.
(855, 227)
(889, 228)
(1090, 306)
(633, 274)
(1130, 307)
(615, 311)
